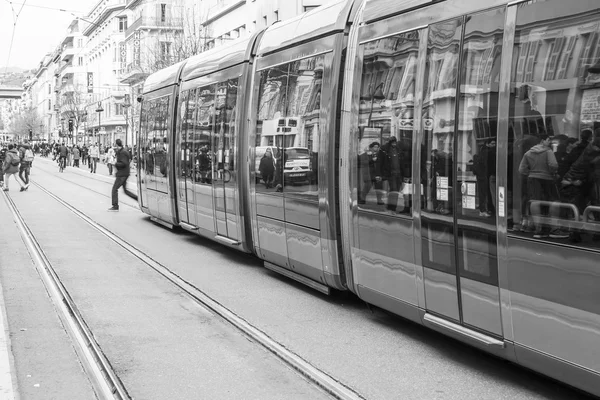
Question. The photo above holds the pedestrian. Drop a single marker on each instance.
(26, 154)
(539, 165)
(123, 169)
(10, 167)
(110, 159)
(76, 156)
(93, 158)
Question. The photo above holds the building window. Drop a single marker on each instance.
(165, 50)
(276, 16)
(163, 13)
(122, 24)
(265, 20)
(80, 61)
(49, 89)
(49, 105)
(308, 8)
(119, 109)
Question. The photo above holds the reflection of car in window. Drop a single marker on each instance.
(298, 165)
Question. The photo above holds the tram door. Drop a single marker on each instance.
(224, 177)
(459, 210)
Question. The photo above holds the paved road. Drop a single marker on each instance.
(379, 355)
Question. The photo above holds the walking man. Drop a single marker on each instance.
(93, 158)
(122, 165)
(10, 167)
(26, 154)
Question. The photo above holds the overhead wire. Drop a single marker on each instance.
(12, 38)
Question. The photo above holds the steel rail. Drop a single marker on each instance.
(106, 383)
(318, 377)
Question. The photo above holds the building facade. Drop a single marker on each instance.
(85, 91)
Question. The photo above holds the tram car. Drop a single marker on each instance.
(449, 164)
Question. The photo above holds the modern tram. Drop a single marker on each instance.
(439, 159)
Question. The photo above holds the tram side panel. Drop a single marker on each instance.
(290, 188)
(553, 252)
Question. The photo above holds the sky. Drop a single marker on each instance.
(40, 27)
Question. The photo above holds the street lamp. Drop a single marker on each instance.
(99, 110)
(376, 94)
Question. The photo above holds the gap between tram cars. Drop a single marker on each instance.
(437, 159)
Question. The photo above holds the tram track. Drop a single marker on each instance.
(105, 381)
(86, 187)
(319, 378)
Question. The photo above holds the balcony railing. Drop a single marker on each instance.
(154, 22)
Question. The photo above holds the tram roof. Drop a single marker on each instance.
(218, 58)
(377, 9)
(321, 21)
(163, 78)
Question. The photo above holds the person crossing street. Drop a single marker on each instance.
(10, 167)
(122, 164)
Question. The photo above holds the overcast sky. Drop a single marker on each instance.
(39, 28)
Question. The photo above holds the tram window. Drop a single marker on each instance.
(159, 119)
(270, 144)
(301, 126)
(185, 137)
(203, 115)
(386, 116)
(554, 131)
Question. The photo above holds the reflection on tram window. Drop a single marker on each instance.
(478, 117)
(223, 135)
(188, 99)
(554, 132)
(286, 155)
(156, 143)
(301, 127)
(271, 110)
(386, 116)
(203, 111)
(439, 128)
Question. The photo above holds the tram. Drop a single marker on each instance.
(434, 148)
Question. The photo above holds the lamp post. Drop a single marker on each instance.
(376, 94)
(99, 110)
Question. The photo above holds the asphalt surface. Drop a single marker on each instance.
(149, 330)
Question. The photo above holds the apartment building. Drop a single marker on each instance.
(230, 19)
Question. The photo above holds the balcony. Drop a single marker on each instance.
(146, 22)
(68, 51)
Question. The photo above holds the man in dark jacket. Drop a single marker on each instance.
(539, 165)
(371, 173)
(26, 154)
(122, 165)
(393, 171)
(10, 167)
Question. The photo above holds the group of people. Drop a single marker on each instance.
(380, 164)
(17, 160)
(570, 176)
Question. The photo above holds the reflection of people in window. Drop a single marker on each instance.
(267, 168)
(393, 171)
(370, 164)
(539, 166)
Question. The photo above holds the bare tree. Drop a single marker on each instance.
(24, 123)
(173, 46)
(73, 106)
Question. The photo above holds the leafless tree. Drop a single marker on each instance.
(73, 106)
(188, 39)
(23, 123)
